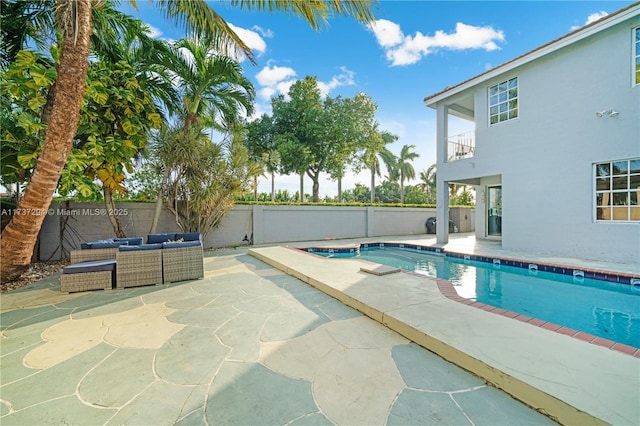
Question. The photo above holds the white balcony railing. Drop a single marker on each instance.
(461, 146)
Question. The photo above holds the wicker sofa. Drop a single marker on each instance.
(182, 256)
(127, 262)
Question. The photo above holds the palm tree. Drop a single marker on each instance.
(405, 169)
(73, 19)
(271, 161)
(20, 235)
(372, 154)
(428, 179)
(212, 85)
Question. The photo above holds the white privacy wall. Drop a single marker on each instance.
(70, 224)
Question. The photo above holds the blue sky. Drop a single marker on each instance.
(414, 49)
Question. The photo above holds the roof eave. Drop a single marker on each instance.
(573, 37)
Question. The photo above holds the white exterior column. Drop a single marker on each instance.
(442, 188)
(442, 212)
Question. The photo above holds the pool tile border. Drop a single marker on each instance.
(447, 289)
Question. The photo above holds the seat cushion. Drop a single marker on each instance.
(132, 241)
(156, 246)
(160, 238)
(100, 244)
(90, 266)
(188, 236)
(181, 244)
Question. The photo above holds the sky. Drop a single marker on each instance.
(412, 50)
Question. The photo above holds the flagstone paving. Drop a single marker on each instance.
(246, 345)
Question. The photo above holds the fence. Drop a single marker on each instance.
(68, 224)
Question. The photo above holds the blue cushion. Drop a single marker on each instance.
(85, 246)
(188, 236)
(155, 246)
(132, 241)
(105, 244)
(160, 238)
(182, 244)
(90, 266)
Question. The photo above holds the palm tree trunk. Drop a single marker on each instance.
(255, 188)
(339, 189)
(112, 213)
(273, 187)
(302, 187)
(159, 202)
(373, 185)
(20, 235)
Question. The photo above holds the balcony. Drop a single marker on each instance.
(461, 146)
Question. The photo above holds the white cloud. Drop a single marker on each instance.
(270, 76)
(153, 31)
(275, 80)
(251, 38)
(406, 49)
(387, 33)
(591, 18)
(263, 32)
(345, 78)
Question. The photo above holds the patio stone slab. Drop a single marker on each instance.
(132, 370)
(418, 407)
(251, 394)
(242, 334)
(209, 317)
(196, 366)
(63, 411)
(160, 404)
(287, 325)
(435, 375)
(58, 381)
(488, 406)
(315, 419)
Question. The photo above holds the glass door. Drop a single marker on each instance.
(494, 211)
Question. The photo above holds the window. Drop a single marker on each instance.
(503, 101)
(636, 54)
(617, 188)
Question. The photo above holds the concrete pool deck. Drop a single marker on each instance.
(245, 345)
(572, 380)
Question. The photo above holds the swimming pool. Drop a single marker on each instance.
(604, 309)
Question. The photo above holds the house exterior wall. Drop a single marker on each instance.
(544, 159)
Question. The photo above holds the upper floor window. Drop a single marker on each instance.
(636, 55)
(503, 101)
(618, 190)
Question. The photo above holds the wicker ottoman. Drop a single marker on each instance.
(91, 275)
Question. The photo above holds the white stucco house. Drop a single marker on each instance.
(554, 153)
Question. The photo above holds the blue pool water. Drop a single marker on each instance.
(601, 308)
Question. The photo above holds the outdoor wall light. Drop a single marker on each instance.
(612, 113)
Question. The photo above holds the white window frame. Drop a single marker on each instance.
(635, 56)
(500, 101)
(608, 194)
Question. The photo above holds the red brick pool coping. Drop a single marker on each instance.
(448, 290)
